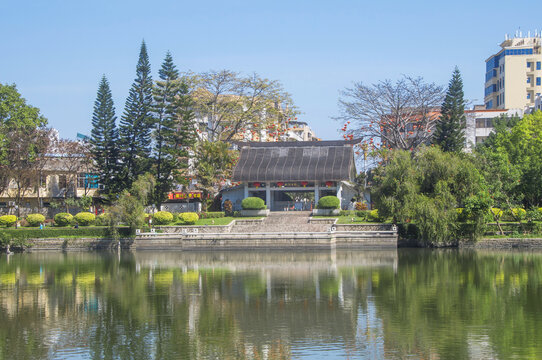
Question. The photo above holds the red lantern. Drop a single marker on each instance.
(256, 185)
(280, 184)
(329, 183)
(304, 183)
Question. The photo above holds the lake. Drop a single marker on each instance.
(408, 303)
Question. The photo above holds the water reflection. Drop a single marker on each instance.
(271, 305)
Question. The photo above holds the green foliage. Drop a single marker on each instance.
(213, 164)
(253, 203)
(518, 213)
(212, 215)
(174, 132)
(8, 220)
(189, 218)
(35, 219)
(136, 123)
(450, 129)
(91, 232)
(63, 219)
(162, 218)
(85, 218)
(496, 212)
(363, 215)
(103, 219)
(511, 160)
(329, 202)
(373, 215)
(426, 188)
(129, 208)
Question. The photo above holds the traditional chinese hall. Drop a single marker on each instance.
(293, 175)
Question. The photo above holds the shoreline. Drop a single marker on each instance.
(259, 241)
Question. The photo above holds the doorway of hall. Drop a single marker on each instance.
(292, 200)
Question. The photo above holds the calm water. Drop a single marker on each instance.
(272, 305)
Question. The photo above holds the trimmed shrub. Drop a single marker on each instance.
(212, 215)
(496, 212)
(519, 213)
(92, 232)
(8, 220)
(85, 218)
(253, 203)
(373, 215)
(162, 218)
(63, 219)
(102, 219)
(189, 218)
(35, 219)
(329, 202)
(347, 213)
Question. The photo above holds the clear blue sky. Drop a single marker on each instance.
(56, 51)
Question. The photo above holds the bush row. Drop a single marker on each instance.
(364, 215)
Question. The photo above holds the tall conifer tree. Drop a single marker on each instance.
(174, 133)
(104, 139)
(450, 129)
(136, 123)
(165, 161)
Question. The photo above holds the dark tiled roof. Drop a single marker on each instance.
(324, 143)
(295, 161)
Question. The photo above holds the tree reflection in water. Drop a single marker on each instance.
(274, 305)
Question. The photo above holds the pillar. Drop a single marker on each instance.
(246, 190)
(339, 192)
(268, 195)
(316, 193)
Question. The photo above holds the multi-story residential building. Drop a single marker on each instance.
(480, 123)
(514, 74)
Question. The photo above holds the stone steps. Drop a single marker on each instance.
(282, 222)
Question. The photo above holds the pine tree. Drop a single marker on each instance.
(450, 129)
(174, 133)
(136, 123)
(165, 91)
(104, 139)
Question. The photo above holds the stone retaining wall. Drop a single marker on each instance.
(509, 243)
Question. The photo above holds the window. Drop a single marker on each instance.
(538, 81)
(528, 79)
(538, 65)
(528, 96)
(43, 180)
(529, 64)
(88, 181)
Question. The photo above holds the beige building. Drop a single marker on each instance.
(514, 74)
(57, 179)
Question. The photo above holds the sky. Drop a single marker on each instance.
(57, 51)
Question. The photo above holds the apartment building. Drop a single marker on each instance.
(514, 74)
(480, 123)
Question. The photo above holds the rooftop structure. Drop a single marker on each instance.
(513, 75)
(480, 123)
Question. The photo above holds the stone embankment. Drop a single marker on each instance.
(282, 230)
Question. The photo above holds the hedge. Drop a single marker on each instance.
(63, 219)
(162, 218)
(189, 218)
(91, 232)
(252, 203)
(35, 219)
(85, 218)
(102, 219)
(329, 202)
(8, 220)
(212, 215)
